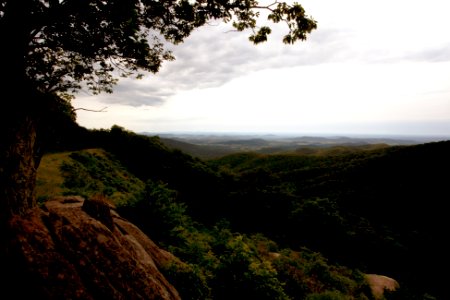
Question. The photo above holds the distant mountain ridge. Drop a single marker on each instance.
(208, 146)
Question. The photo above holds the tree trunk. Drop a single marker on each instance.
(19, 152)
(20, 111)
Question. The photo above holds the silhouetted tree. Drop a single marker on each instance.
(52, 48)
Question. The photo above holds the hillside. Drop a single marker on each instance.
(201, 151)
(214, 254)
(381, 210)
(86, 173)
(207, 146)
(374, 211)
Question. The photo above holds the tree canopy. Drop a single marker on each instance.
(65, 45)
(53, 48)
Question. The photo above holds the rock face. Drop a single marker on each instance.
(73, 248)
(379, 284)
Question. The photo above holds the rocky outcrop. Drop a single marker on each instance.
(379, 284)
(75, 249)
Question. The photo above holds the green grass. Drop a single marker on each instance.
(86, 172)
(49, 182)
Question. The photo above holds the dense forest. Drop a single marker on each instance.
(289, 226)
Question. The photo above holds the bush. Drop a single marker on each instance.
(188, 279)
(328, 295)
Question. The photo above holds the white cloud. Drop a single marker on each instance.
(377, 62)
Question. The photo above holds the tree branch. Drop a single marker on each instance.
(91, 110)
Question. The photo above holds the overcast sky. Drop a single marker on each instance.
(372, 67)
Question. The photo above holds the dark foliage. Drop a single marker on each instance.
(381, 211)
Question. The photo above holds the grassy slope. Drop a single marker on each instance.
(86, 172)
(50, 180)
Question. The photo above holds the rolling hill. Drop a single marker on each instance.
(371, 208)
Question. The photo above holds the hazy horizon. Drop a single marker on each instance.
(290, 135)
(369, 68)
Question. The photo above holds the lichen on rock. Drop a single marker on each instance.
(71, 248)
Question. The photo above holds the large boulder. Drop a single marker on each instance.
(380, 283)
(71, 248)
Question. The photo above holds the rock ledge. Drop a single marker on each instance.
(75, 249)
